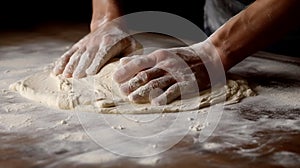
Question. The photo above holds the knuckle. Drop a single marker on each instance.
(107, 38)
(174, 88)
(154, 83)
(160, 52)
(143, 76)
(87, 56)
(139, 62)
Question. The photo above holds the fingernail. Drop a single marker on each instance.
(123, 61)
(56, 71)
(158, 102)
(136, 98)
(89, 72)
(124, 89)
(67, 75)
(79, 75)
(76, 76)
(131, 97)
(155, 102)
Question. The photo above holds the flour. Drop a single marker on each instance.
(11, 121)
(101, 94)
(74, 137)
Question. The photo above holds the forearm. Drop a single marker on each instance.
(259, 25)
(103, 11)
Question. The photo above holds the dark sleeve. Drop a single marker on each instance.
(193, 10)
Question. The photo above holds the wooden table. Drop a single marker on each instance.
(260, 131)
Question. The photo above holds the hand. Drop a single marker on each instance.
(91, 53)
(164, 75)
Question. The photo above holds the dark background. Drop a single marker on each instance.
(26, 14)
(20, 14)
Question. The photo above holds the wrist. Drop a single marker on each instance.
(98, 22)
(104, 11)
(210, 53)
(221, 51)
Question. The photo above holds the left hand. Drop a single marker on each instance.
(92, 52)
(164, 75)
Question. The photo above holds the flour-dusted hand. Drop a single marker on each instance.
(90, 54)
(166, 74)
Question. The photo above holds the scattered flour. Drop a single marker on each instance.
(11, 121)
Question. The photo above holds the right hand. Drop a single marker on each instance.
(167, 74)
(93, 51)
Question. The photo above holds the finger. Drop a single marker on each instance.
(140, 79)
(108, 49)
(136, 65)
(127, 59)
(184, 89)
(168, 96)
(135, 48)
(63, 60)
(84, 62)
(73, 62)
(142, 94)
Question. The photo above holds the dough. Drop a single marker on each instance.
(101, 94)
